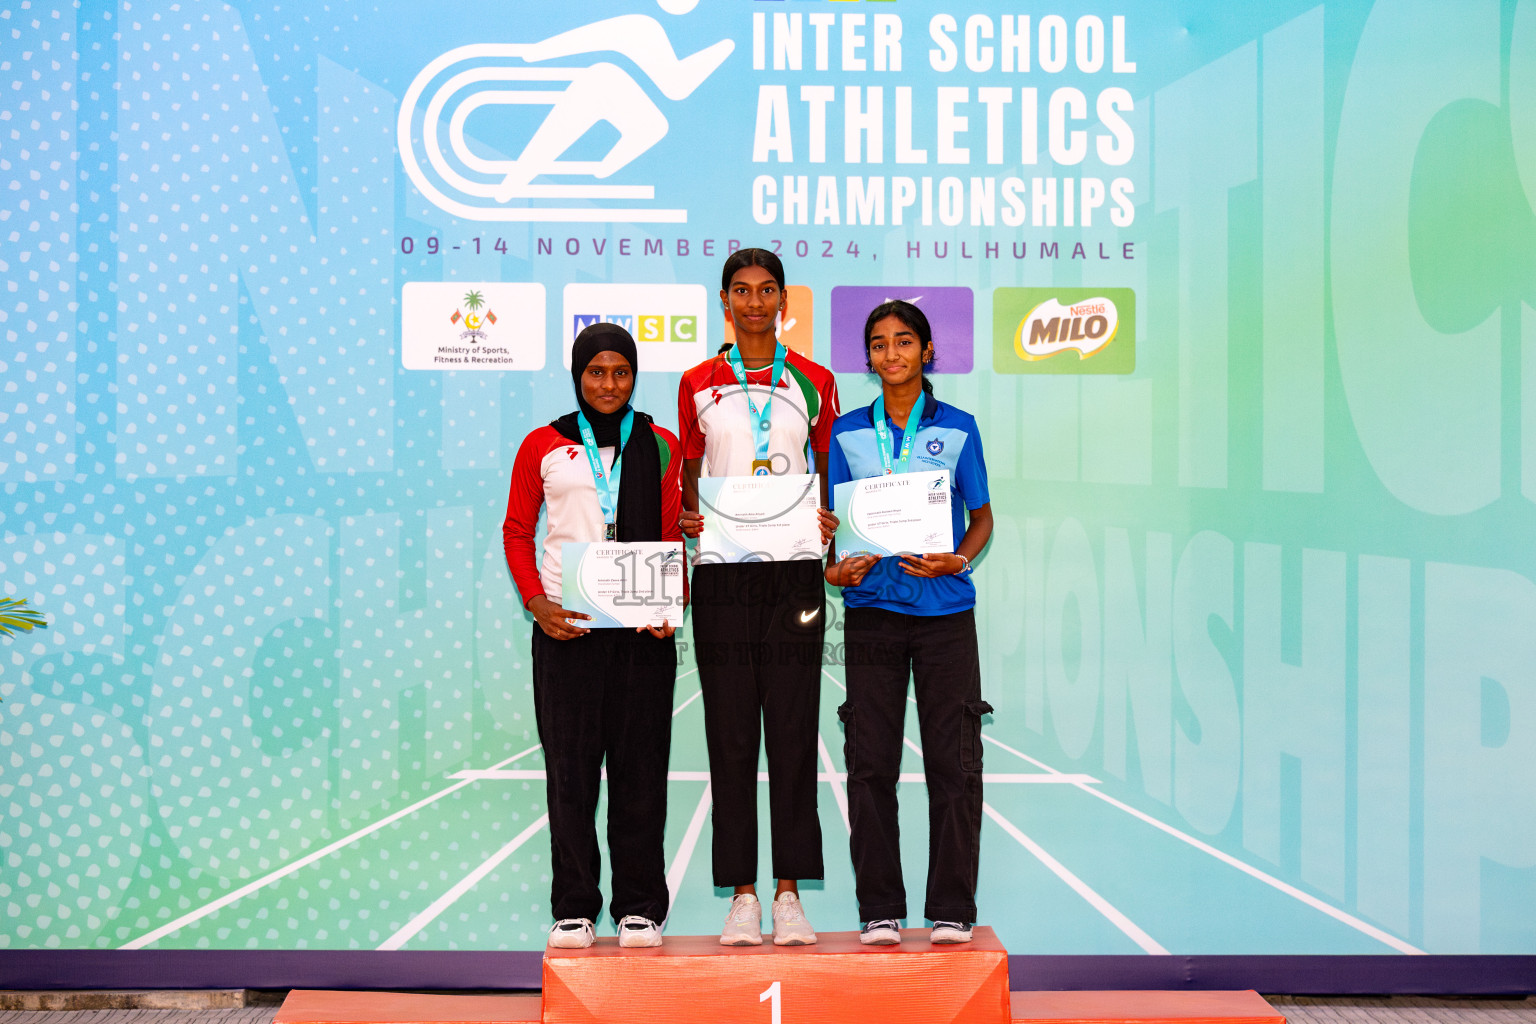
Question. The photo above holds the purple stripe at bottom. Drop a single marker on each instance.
(449, 970)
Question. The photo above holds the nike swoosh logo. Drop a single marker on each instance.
(808, 616)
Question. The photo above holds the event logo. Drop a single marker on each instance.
(1064, 330)
(453, 325)
(471, 96)
(950, 312)
(667, 321)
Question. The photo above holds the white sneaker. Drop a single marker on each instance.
(636, 932)
(884, 932)
(790, 928)
(743, 922)
(572, 933)
(950, 931)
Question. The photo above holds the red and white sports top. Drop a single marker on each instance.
(553, 471)
(715, 422)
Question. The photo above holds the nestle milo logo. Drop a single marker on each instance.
(1067, 330)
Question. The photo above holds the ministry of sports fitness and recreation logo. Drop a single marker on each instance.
(474, 322)
(480, 325)
(1064, 330)
(470, 179)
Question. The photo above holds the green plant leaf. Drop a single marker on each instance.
(16, 617)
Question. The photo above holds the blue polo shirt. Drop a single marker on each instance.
(947, 438)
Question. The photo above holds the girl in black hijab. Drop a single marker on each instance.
(599, 693)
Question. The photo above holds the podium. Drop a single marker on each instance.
(838, 979)
(1131, 1007)
(833, 982)
(322, 1006)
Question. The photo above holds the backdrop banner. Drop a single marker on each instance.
(1241, 297)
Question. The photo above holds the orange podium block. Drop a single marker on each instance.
(318, 1006)
(837, 980)
(1174, 1007)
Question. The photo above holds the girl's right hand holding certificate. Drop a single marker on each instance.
(691, 523)
(850, 572)
(554, 620)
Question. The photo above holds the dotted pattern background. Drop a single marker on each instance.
(274, 619)
(38, 260)
(272, 563)
(271, 559)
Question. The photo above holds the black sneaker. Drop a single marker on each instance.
(950, 931)
(884, 932)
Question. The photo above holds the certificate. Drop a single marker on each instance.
(759, 518)
(905, 513)
(623, 585)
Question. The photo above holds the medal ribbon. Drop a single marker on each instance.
(908, 435)
(607, 484)
(760, 420)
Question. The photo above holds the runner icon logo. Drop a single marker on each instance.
(475, 183)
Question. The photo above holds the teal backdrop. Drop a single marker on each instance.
(1258, 618)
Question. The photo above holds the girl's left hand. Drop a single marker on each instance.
(932, 564)
(828, 523)
(661, 632)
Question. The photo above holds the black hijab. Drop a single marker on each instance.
(639, 512)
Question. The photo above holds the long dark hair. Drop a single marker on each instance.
(916, 322)
(751, 258)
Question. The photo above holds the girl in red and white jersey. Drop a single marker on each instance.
(758, 626)
(599, 693)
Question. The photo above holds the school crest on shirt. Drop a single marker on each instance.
(935, 446)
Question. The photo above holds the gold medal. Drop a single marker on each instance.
(762, 467)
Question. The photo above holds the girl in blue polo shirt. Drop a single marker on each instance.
(912, 616)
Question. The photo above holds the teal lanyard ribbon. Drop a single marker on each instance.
(908, 435)
(607, 484)
(761, 421)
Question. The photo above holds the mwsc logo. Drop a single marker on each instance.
(476, 183)
(643, 326)
(668, 321)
